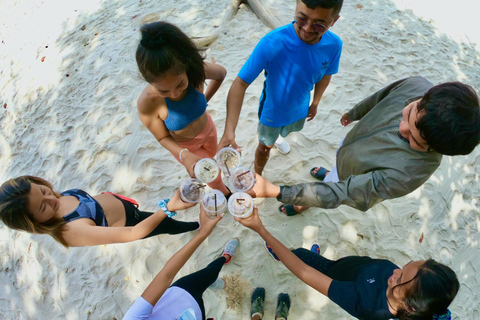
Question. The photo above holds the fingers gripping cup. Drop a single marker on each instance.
(206, 170)
(240, 205)
(192, 190)
(242, 179)
(214, 203)
(228, 159)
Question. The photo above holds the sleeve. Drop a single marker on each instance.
(256, 63)
(360, 192)
(140, 309)
(363, 107)
(333, 67)
(345, 295)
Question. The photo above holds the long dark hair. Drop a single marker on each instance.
(14, 208)
(432, 290)
(164, 47)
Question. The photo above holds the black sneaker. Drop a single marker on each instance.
(257, 302)
(283, 306)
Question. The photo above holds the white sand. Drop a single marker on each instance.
(82, 130)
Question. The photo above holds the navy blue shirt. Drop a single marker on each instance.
(360, 285)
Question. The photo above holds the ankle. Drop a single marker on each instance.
(227, 257)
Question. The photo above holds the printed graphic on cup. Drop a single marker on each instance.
(214, 203)
(242, 179)
(206, 170)
(192, 190)
(240, 204)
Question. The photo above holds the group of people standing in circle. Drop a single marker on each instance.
(402, 132)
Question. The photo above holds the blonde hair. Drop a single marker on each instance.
(14, 208)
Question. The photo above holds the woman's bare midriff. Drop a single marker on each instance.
(113, 209)
(192, 130)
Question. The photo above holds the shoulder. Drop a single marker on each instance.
(282, 33)
(331, 38)
(418, 81)
(214, 71)
(149, 101)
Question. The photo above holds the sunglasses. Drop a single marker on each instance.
(302, 22)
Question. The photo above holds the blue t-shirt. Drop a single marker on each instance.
(292, 67)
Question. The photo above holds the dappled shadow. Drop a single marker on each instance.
(72, 120)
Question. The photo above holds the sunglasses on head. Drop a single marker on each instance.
(302, 22)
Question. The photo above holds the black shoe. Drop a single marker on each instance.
(257, 302)
(283, 306)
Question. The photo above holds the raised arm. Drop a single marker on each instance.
(79, 234)
(216, 74)
(358, 191)
(307, 274)
(148, 113)
(235, 98)
(164, 278)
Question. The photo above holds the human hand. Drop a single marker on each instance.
(189, 160)
(345, 120)
(253, 221)
(176, 203)
(312, 112)
(263, 188)
(227, 141)
(207, 224)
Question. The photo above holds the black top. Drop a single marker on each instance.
(360, 285)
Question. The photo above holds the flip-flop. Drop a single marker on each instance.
(321, 173)
(269, 250)
(315, 248)
(288, 209)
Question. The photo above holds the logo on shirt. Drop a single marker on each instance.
(325, 65)
(371, 280)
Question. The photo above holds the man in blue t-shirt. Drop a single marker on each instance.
(297, 58)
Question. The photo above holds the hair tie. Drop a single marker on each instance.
(446, 316)
(152, 42)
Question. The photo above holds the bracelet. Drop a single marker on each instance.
(180, 154)
(163, 205)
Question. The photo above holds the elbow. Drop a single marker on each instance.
(223, 74)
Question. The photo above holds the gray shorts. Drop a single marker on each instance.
(268, 135)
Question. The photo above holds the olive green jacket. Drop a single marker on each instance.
(373, 163)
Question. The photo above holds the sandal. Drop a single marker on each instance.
(315, 248)
(269, 250)
(288, 209)
(321, 173)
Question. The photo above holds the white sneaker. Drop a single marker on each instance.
(282, 145)
(217, 284)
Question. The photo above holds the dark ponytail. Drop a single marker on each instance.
(165, 48)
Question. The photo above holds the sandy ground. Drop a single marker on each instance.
(69, 85)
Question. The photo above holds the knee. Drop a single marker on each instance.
(263, 149)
